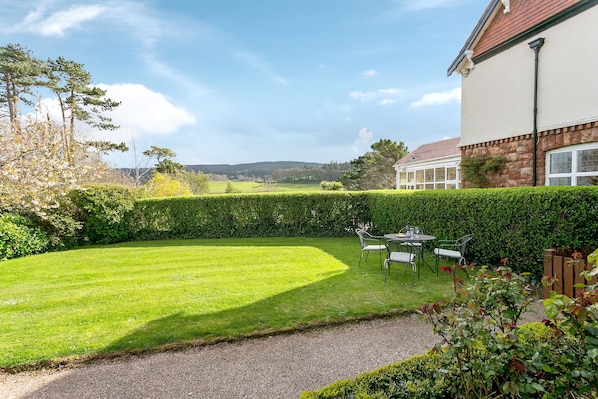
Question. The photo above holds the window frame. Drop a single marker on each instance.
(573, 175)
(427, 170)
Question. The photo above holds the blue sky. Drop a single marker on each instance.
(236, 81)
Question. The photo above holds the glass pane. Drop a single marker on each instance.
(451, 173)
(403, 178)
(587, 181)
(429, 175)
(440, 174)
(587, 160)
(429, 187)
(560, 163)
(419, 176)
(411, 177)
(440, 186)
(559, 181)
(451, 186)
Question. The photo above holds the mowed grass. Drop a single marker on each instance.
(144, 296)
(249, 187)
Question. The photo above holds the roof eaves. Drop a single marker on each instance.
(473, 36)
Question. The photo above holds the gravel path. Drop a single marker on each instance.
(280, 366)
(275, 367)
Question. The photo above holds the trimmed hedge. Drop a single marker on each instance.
(326, 214)
(514, 223)
(411, 378)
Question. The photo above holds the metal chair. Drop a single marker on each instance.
(454, 249)
(405, 258)
(370, 243)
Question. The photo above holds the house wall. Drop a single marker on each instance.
(497, 96)
(518, 152)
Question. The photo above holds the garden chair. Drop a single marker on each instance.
(401, 257)
(370, 243)
(454, 249)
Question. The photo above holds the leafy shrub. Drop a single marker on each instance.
(105, 212)
(18, 237)
(485, 354)
(411, 378)
(331, 185)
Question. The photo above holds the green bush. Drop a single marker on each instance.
(411, 378)
(326, 214)
(105, 212)
(18, 237)
(514, 223)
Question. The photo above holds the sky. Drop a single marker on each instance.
(238, 81)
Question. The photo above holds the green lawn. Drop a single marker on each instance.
(219, 187)
(149, 295)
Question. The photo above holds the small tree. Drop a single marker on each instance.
(374, 170)
(164, 185)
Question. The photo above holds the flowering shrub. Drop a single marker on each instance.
(484, 353)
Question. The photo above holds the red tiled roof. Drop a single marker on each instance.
(524, 15)
(426, 152)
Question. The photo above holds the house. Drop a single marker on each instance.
(431, 166)
(529, 78)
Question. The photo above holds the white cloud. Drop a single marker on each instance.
(369, 73)
(363, 138)
(147, 111)
(59, 22)
(441, 98)
(382, 96)
(142, 112)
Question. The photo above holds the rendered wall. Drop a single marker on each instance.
(497, 96)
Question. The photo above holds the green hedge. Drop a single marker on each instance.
(327, 214)
(105, 212)
(19, 237)
(514, 223)
(411, 378)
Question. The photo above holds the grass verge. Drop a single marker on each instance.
(149, 296)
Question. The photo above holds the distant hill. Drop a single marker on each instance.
(253, 170)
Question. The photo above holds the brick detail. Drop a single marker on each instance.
(524, 15)
(517, 152)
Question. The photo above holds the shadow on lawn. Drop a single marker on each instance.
(274, 315)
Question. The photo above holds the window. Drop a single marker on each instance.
(573, 166)
(429, 178)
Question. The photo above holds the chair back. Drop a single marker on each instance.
(362, 236)
(462, 243)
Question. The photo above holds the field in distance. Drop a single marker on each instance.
(250, 187)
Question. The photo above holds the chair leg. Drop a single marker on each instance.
(386, 268)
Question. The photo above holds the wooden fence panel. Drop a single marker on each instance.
(565, 271)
